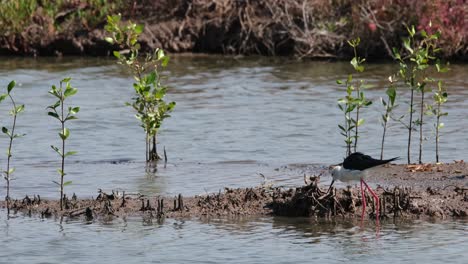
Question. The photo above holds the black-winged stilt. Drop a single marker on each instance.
(355, 167)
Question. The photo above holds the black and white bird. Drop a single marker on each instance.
(355, 168)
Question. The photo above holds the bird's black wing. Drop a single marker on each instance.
(359, 161)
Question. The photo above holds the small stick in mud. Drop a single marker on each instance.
(334, 200)
(148, 206)
(396, 201)
(89, 214)
(181, 202)
(123, 200)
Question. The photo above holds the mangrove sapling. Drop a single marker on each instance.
(149, 92)
(440, 98)
(413, 68)
(360, 99)
(347, 105)
(350, 103)
(57, 111)
(17, 109)
(389, 106)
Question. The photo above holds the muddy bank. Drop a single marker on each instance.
(415, 191)
(304, 29)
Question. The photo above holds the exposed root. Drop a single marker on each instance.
(308, 201)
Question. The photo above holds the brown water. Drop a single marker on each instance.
(234, 119)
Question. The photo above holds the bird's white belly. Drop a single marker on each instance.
(351, 175)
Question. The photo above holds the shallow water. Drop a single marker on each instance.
(234, 120)
(240, 240)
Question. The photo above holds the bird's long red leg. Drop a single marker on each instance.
(376, 199)
(363, 198)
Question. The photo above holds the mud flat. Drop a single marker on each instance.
(405, 191)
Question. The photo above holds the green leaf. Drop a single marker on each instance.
(11, 170)
(71, 118)
(66, 80)
(412, 31)
(150, 78)
(53, 114)
(19, 135)
(339, 81)
(3, 96)
(160, 54)
(165, 61)
(407, 45)
(171, 106)
(70, 91)
(391, 92)
(73, 110)
(61, 173)
(116, 54)
(67, 183)
(70, 153)
(56, 149)
(10, 86)
(355, 62)
(423, 33)
(441, 125)
(383, 102)
(5, 130)
(65, 134)
(360, 122)
(19, 109)
(139, 29)
(109, 40)
(54, 105)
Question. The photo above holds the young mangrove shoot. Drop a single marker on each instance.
(59, 112)
(346, 105)
(350, 129)
(389, 106)
(440, 98)
(149, 91)
(360, 99)
(17, 109)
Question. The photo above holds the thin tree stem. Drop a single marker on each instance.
(348, 132)
(155, 150)
(356, 128)
(421, 126)
(437, 132)
(147, 147)
(410, 127)
(12, 133)
(63, 152)
(383, 137)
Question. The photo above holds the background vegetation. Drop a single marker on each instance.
(305, 29)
